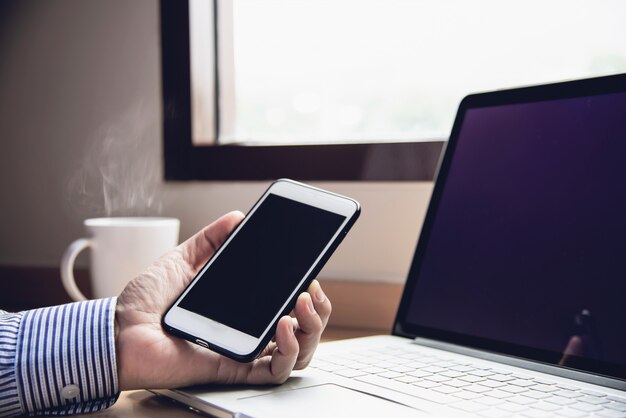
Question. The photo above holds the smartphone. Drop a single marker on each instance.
(234, 303)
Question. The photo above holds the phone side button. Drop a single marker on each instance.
(202, 343)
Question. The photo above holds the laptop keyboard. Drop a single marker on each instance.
(474, 388)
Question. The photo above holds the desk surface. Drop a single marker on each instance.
(141, 403)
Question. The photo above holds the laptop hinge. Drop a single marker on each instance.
(525, 363)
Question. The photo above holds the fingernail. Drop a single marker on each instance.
(309, 303)
(319, 294)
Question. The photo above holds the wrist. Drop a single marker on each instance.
(130, 347)
(119, 347)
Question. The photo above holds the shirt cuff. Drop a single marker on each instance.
(65, 358)
(9, 398)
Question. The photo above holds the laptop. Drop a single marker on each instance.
(515, 302)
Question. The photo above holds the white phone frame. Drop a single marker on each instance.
(212, 333)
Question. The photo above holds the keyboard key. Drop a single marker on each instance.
(522, 382)
(434, 369)
(492, 383)
(513, 389)
(416, 365)
(452, 373)
(610, 413)
(407, 379)
(419, 373)
(429, 360)
(616, 398)
(617, 406)
(585, 407)
(513, 407)
(332, 360)
(567, 393)
(437, 378)
(477, 388)
(350, 373)
(521, 376)
(397, 360)
(543, 382)
(384, 357)
(566, 387)
(571, 413)
(339, 358)
(522, 400)
(467, 395)
(354, 365)
(545, 388)
(593, 393)
(360, 365)
(386, 349)
(411, 356)
(469, 406)
(390, 374)
(499, 394)
(401, 369)
(481, 373)
(594, 400)
(559, 400)
(370, 360)
(501, 378)
(445, 364)
(427, 384)
(536, 394)
(373, 370)
(472, 379)
(463, 369)
(446, 389)
(411, 390)
(357, 357)
(385, 364)
(458, 383)
(545, 406)
(489, 401)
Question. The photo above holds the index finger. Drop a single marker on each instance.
(312, 311)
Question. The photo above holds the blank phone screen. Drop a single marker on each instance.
(250, 280)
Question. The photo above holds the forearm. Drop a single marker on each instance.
(58, 360)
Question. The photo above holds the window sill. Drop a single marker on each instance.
(410, 161)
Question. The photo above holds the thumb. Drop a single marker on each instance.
(200, 247)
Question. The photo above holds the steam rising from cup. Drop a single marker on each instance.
(120, 173)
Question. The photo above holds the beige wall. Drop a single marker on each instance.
(70, 68)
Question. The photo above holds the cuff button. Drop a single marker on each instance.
(70, 392)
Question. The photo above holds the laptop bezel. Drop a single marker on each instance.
(562, 90)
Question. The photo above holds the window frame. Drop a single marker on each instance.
(183, 161)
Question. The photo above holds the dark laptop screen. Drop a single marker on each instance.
(526, 247)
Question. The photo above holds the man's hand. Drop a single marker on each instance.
(147, 357)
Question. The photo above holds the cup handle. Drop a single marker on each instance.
(67, 268)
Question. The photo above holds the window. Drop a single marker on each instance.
(357, 89)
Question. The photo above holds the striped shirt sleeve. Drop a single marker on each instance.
(58, 360)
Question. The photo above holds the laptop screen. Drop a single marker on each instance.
(523, 250)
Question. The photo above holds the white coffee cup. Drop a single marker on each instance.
(120, 249)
